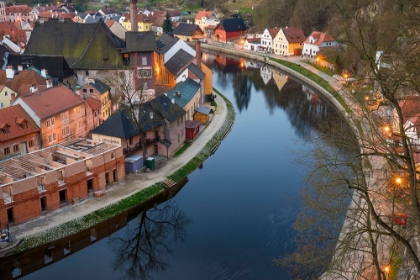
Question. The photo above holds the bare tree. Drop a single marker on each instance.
(382, 178)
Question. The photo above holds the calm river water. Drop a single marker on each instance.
(235, 214)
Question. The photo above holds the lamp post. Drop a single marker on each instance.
(387, 268)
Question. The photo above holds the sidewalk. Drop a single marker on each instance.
(132, 184)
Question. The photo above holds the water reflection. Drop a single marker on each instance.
(139, 251)
(305, 109)
(145, 246)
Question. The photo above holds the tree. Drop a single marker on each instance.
(144, 248)
(167, 24)
(131, 97)
(382, 177)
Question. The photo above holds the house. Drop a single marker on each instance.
(20, 13)
(188, 32)
(252, 44)
(93, 113)
(157, 26)
(16, 82)
(411, 118)
(99, 91)
(13, 33)
(144, 22)
(266, 74)
(209, 30)
(139, 54)
(46, 180)
(163, 123)
(7, 96)
(202, 114)
(228, 29)
(55, 66)
(267, 39)
(174, 15)
(186, 94)
(58, 111)
(201, 18)
(289, 41)
(91, 50)
(18, 132)
(316, 42)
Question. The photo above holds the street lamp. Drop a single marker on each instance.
(387, 268)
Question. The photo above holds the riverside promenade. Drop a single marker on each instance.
(132, 184)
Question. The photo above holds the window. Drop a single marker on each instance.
(84, 90)
(54, 137)
(50, 122)
(30, 143)
(144, 72)
(6, 151)
(49, 139)
(64, 116)
(143, 60)
(5, 94)
(1, 105)
(91, 90)
(16, 148)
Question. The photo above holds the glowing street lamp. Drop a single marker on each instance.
(387, 269)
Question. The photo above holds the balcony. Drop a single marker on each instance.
(132, 150)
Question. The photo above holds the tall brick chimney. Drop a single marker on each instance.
(133, 15)
(198, 54)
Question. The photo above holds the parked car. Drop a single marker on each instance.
(400, 219)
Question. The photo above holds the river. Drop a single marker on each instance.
(236, 213)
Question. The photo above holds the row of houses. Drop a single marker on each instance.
(290, 41)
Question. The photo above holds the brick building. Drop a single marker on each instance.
(54, 177)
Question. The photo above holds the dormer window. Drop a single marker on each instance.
(5, 128)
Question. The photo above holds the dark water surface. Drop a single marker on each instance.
(236, 213)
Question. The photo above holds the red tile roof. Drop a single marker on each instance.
(22, 77)
(18, 9)
(51, 101)
(13, 116)
(202, 14)
(294, 34)
(16, 35)
(109, 23)
(410, 107)
(319, 38)
(93, 103)
(273, 31)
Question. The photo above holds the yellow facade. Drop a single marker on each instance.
(106, 105)
(6, 96)
(208, 79)
(281, 45)
(141, 26)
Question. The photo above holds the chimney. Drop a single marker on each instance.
(44, 73)
(133, 15)
(78, 91)
(33, 88)
(10, 73)
(20, 67)
(41, 20)
(178, 94)
(49, 83)
(198, 54)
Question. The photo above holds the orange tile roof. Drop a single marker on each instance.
(93, 103)
(13, 116)
(16, 34)
(273, 31)
(51, 101)
(18, 9)
(319, 38)
(109, 23)
(294, 34)
(22, 77)
(410, 107)
(202, 14)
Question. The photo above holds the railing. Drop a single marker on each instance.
(132, 150)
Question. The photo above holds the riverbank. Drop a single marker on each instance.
(137, 187)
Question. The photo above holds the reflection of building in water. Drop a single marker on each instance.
(48, 179)
(311, 95)
(228, 64)
(280, 79)
(30, 261)
(266, 74)
(251, 64)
